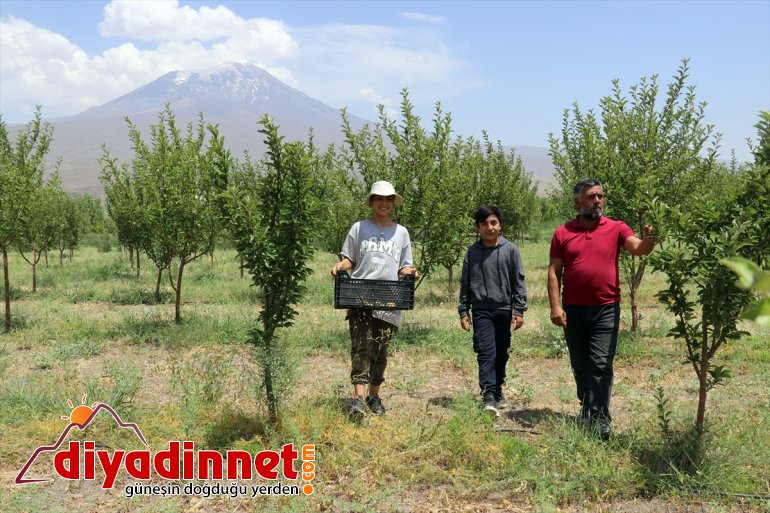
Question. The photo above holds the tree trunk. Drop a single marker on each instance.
(636, 280)
(451, 281)
(35, 258)
(138, 266)
(703, 378)
(61, 257)
(157, 285)
(267, 369)
(241, 266)
(131, 255)
(46, 258)
(177, 314)
(6, 289)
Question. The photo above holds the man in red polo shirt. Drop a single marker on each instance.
(584, 259)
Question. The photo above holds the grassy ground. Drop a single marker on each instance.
(93, 327)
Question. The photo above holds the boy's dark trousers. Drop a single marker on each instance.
(491, 341)
(592, 339)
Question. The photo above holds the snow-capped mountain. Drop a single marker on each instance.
(235, 96)
(241, 87)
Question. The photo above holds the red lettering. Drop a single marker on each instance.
(172, 456)
(88, 460)
(72, 457)
(288, 455)
(204, 457)
(267, 470)
(110, 467)
(187, 460)
(236, 459)
(143, 470)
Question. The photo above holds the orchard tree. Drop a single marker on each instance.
(423, 167)
(70, 222)
(338, 197)
(21, 176)
(173, 176)
(641, 147)
(124, 208)
(272, 225)
(43, 227)
(761, 150)
(92, 214)
(754, 201)
(504, 182)
(703, 296)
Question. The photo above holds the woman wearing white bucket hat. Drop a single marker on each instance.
(377, 249)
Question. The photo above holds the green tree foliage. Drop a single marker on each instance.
(754, 201)
(92, 214)
(21, 175)
(124, 207)
(174, 209)
(272, 226)
(339, 197)
(752, 277)
(642, 147)
(761, 150)
(44, 227)
(504, 182)
(442, 177)
(704, 298)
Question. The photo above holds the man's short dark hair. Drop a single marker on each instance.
(485, 211)
(584, 184)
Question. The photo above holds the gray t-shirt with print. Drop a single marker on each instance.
(378, 253)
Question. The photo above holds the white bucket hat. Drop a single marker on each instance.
(383, 188)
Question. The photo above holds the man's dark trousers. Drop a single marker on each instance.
(592, 338)
(491, 341)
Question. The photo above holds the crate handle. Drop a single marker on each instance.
(345, 275)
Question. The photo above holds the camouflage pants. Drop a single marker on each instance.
(369, 338)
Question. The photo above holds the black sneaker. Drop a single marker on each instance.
(375, 404)
(490, 405)
(604, 428)
(500, 400)
(357, 407)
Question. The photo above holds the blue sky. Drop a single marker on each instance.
(510, 67)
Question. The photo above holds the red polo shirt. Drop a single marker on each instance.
(590, 255)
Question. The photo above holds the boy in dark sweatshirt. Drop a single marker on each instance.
(492, 288)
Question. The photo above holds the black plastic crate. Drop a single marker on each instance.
(375, 294)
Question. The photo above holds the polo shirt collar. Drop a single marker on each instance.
(575, 223)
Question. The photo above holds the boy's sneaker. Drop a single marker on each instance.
(490, 405)
(500, 400)
(357, 408)
(604, 428)
(375, 404)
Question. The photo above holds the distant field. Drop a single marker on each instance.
(93, 328)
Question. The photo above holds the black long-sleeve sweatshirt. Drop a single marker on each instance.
(493, 279)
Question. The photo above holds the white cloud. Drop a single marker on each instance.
(423, 18)
(340, 64)
(164, 20)
(41, 67)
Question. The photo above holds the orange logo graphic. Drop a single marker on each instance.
(179, 461)
(80, 418)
